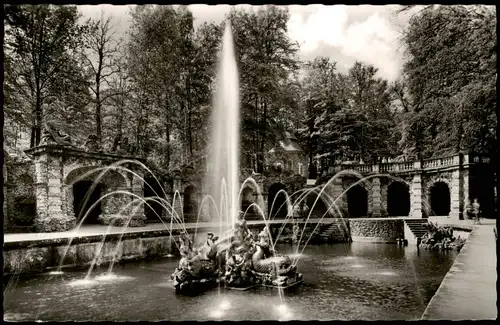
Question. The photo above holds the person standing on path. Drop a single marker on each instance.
(469, 210)
(477, 210)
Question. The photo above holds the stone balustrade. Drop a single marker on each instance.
(463, 177)
(412, 166)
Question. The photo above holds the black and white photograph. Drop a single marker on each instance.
(238, 162)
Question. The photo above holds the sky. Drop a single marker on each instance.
(345, 34)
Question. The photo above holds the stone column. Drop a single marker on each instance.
(4, 205)
(139, 217)
(167, 213)
(465, 196)
(416, 193)
(335, 190)
(384, 202)
(68, 201)
(376, 198)
(50, 216)
(455, 190)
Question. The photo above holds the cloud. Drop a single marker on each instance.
(325, 25)
(347, 34)
(344, 33)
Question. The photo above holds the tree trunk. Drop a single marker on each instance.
(98, 100)
(120, 116)
(38, 116)
(167, 136)
(32, 138)
(263, 137)
(496, 163)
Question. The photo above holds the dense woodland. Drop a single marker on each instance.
(155, 84)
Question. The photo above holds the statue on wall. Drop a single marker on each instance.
(121, 146)
(92, 144)
(51, 135)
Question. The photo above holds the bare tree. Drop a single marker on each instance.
(101, 49)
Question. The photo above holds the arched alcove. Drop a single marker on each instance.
(84, 188)
(357, 201)
(440, 199)
(190, 203)
(398, 200)
(280, 207)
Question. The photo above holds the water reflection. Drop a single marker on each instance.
(391, 284)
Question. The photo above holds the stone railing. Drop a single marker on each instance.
(441, 162)
(381, 168)
(395, 167)
(362, 168)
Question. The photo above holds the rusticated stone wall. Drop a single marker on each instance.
(19, 196)
(376, 230)
(58, 168)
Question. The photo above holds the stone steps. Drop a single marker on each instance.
(417, 226)
(336, 230)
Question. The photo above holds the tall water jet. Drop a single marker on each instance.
(223, 163)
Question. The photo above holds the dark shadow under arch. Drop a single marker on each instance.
(319, 209)
(280, 207)
(152, 189)
(398, 200)
(357, 201)
(83, 199)
(440, 199)
(189, 201)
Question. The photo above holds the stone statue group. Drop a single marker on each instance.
(241, 259)
(51, 135)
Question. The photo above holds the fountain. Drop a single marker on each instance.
(239, 260)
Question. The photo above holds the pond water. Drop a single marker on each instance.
(357, 281)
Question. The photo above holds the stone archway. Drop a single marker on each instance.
(398, 199)
(318, 207)
(248, 197)
(154, 193)
(357, 201)
(190, 203)
(277, 201)
(440, 199)
(85, 186)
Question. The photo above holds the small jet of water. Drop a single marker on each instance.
(225, 305)
(282, 308)
(357, 265)
(387, 273)
(82, 282)
(111, 277)
(217, 313)
(284, 311)
(169, 255)
(295, 255)
(349, 257)
(56, 272)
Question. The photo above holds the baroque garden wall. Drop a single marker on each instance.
(19, 196)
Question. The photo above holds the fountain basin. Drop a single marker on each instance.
(332, 289)
(33, 255)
